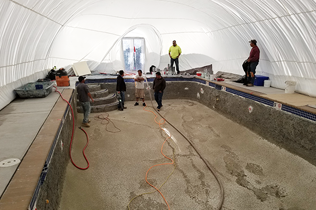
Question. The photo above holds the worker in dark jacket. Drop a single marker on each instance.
(121, 88)
(159, 86)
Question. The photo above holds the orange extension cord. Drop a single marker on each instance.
(209, 166)
(172, 161)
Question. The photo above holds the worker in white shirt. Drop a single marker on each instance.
(140, 88)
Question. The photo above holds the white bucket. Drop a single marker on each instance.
(267, 83)
(212, 76)
(290, 86)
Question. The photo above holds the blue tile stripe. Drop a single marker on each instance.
(177, 79)
(212, 84)
(218, 87)
(250, 96)
(299, 112)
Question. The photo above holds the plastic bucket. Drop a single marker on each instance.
(212, 76)
(198, 74)
(267, 83)
(290, 86)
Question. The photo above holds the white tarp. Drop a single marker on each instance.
(40, 34)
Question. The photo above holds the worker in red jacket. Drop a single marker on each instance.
(253, 62)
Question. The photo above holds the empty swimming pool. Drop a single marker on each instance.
(255, 173)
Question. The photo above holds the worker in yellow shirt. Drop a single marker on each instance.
(174, 53)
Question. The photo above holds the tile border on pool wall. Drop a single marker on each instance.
(168, 79)
(48, 159)
(250, 96)
(265, 101)
(299, 112)
(289, 109)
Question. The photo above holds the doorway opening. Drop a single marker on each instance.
(134, 53)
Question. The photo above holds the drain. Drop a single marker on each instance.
(9, 162)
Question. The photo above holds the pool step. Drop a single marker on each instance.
(103, 101)
(100, 94)
(101, 108)
(94, 88)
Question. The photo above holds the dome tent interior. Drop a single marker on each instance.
(39, 34)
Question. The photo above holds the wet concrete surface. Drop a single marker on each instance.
(256, 174)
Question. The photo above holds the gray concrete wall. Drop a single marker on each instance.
(291, 132)
(53, 185)
(286, 130)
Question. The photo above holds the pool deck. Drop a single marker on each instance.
(296, 100)
(28, 128)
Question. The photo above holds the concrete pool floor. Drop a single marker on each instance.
(255, 173)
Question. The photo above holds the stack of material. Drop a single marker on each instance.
(200, 69)
(230, 76)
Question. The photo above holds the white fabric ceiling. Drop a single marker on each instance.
(39, 34)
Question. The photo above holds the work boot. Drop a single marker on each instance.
(251, 81)
(246, 80)
(136, 104)
(144, 104)
(85, 125)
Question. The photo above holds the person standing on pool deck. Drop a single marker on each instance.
(174, 53)
(253, 61)
(159, 86)
(83, 96)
